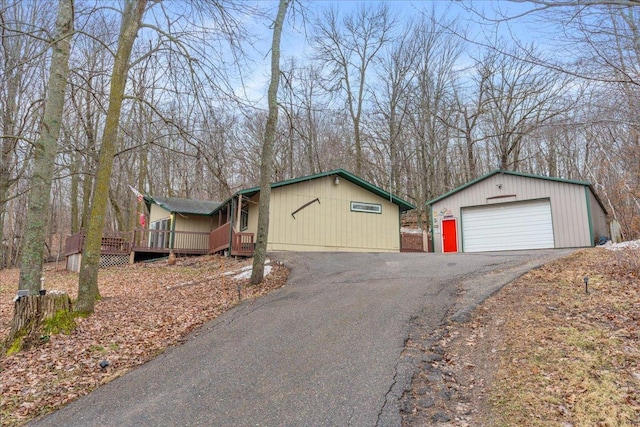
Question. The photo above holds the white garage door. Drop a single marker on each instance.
(508, 226)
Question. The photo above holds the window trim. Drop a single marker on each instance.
(377, 206)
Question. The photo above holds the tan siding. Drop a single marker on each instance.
(330, 225)
(193, 223)
(600, 227)
(158, 213)
(568, 205)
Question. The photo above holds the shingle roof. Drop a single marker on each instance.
(184, 206)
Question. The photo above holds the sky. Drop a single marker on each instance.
(467, 14)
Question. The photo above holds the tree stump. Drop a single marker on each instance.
(30, 314)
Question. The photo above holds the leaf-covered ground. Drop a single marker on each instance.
(144, 309)
(541, 352)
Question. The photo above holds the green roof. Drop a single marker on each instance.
(521, 174)
(402, 204)
(183, 206)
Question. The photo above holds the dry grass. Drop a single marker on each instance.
(145, 308)
(569, 358)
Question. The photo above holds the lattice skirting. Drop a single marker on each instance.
(113, 260)
(73, 261)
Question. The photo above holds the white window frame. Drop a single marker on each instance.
(366, 207)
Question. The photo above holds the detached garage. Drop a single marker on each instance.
(506, 210)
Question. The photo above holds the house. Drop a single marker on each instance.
(506, 210)
(329, 211)
(181, 225)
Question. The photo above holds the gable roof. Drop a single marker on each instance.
(402, 204)
(520, 174)
(183, 206)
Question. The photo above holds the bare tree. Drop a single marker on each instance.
(347, 48)
(266, 169)
(24, 35)
(45, 152)
(88, 280)
(520, 97)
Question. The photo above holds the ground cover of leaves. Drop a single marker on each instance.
(541, 352)
(144, 309)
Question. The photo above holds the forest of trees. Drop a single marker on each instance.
(417, 105)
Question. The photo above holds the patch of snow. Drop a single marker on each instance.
(247, 273)
(267, 261)
(632, 244)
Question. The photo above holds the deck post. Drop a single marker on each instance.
(231, 227)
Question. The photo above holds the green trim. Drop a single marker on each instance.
(433, 231)
(590, 218)
(402, 204)
(461, 236)
(497, 171)
(231, 218)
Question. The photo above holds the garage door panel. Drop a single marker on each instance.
(509, 226)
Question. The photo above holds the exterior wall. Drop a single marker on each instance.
(184, 222)
(157, 213)
(198, 223)
(598, 218)
(568, 206)
(329, 225)
(252, 226)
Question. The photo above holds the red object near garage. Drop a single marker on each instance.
(449, 235)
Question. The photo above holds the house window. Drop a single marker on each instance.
(244, 218)
(366, 207)
(159, 233)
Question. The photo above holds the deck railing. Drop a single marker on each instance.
(242, 243)
(188, 242)
(113, 243)
(165, 241)
(73, 244)
(219, 239)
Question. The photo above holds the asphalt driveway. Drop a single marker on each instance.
(322, 351)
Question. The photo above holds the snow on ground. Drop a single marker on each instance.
(632, 244)
(247, 273)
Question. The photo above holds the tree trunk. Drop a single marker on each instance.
(88, 280)
(266, 168)
(31, 313)
(45, 153)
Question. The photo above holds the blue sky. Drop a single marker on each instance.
(467, 15)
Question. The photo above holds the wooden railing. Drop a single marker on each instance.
(219, 239)
(73, 243)
(187, 242)
(113, 243)
(242, 243)
(164, 241)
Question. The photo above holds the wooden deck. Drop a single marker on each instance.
(164, 242)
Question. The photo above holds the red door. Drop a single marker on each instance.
(449, 235)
